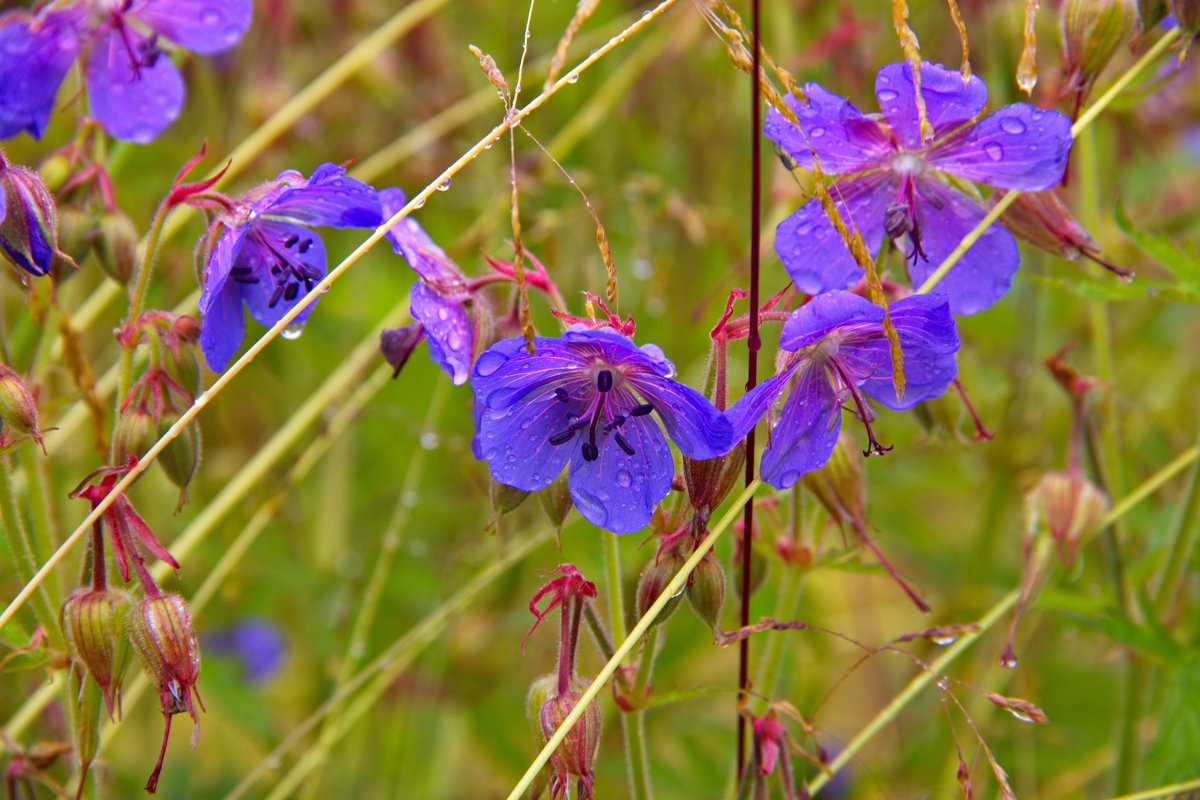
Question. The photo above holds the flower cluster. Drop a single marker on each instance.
(134, 90)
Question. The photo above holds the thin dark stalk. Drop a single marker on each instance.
(753, 343)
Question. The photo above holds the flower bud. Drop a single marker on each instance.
(706, 591)
(134, 434)
(116, 245)
(94, 623)
(397, 344)
(1071, 507)
(1186, 13)
(576, 755)
(506, 498)
(55, 169)
(1043, 220)
(839, 485)
(1092, 32)
(76, 230)
(556, 501)
(709, 481)
(28, 227)
(17, 408)
(181, 457)
(180, 362)
(1151, 12)
(654, 578)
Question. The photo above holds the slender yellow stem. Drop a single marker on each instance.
(1173, 790)
(639, 630)
(320, 288)
(1084, 120)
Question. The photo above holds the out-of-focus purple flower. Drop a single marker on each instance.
(134, 89)
(841, 354)
(895, 189)
(587, 398)
(438, 301)
(267, 258)
(257, 644)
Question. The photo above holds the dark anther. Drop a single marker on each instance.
(590, 451)
(562, 396)
(275, 270)
(604, 380)
(244, 279)
(307, 243)
(898, 220)
(617, 422)
(624, 445)
(291, 241)
(290, 293)
(562, 437)
(275, 295)
(641, 411)
(236, 271)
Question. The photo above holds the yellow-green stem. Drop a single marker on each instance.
(25, 557)
(1174, 790)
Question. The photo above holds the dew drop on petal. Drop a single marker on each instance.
(489, 362)
(1012, 125)
(943, 640)
(788, 478)
(817, 133)
(490, 454)
(1021, 715)
(210, 16)
(887, 95)
(292, 331)
(591, 507)
(994, 150)
(624, 479)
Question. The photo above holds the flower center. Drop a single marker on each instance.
(288, 273)
(908, 164)
(601, 415)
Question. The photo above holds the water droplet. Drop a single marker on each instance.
(1012, 125)
(591, 507)
(942, 684)
(455, 340)
(624, 479)
(1008, 662)
(1021, 715)
(817, 133)
(274, 763)
(488, 363)
(292, 331)
(887, 95)
(418, 202)
(444, 185)
(804, 230)
(573, 77)
(210, 16)
(788, 478)
(488, 146)
(994, 150)
(429, 440)
(490, 454)
(944, 640)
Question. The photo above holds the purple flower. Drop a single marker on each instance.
(267, 258)
(437, 302)
(588, 398)
(134, 90)
(842, 354)
(254, 642)
(895, 188)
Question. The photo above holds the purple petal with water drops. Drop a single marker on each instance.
(329, 197)
(983, 275)
(448, 328)
(813, 320)
(808, 428)
(832, 127)
(34, 59)
(618, 491)
(814, 254)
(223, 328)
(269, 296)
(516, 443)
(949, 101)
(1018, 147)
(202, 26)
(698, 429)
(504, 376)
(422, 254)
(754, 405)
(132, 102)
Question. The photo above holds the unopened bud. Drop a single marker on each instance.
(1043, 220)
(397, 344)
(576, 755)
(133, 435)
(556, 501)
(76, 230)
(710, 481)
(181, 457)
(1071, 507)
(839, 485)
(1186, 13)
(17, 408)
(1092, 32)
(1151, 12)
(55, 169)
(181, 364)
(29, 226)
(654, 579)
(116, 245)
(93, 621)
(706, 591)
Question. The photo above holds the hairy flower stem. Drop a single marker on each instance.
(46, 531)
(24, 556)
(753, 344)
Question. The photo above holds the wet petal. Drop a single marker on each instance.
(34, 59)
(807, 431)
(506, 373)
(949, 102)
(618, 491)
(516, 445)
(223, 327)
(329, 197)
(449, 329)
(220, 262)
(698, 429)
(823, 313)
(264, 249)
(747, 411)
(426, 258)
(984, 274)
(614, 348)
(202, 26)
(814, 254)
(843, 139)
(1018, 147)
(132, 103)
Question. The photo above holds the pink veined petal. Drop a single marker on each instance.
(132, 103)
(202, 26)
(949, 101)
(1017, 147)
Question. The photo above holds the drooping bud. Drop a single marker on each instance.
(28, 222)
(17, 408)
(1043, 220)
(116, 245)
(397, 344)
(1092, 32)
(706, 591)
(506, 498)
(160, 630)
(180, 362)
(576, 755)
(181, 457)
(1186, 13)
(94, 623)
(133, 435)
(1071, 507)
(839, 485)
(654, 579)
(710, 481)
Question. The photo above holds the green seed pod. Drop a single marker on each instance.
(116, 245)
(706, 592)
(556, 501)
(29, 227)
(160, 630)
(1151, 12)
(181, 457)
(1092, 32)
(654, 579)
(133, 435)
(183, 367)
(17, 408)
(76, 229)
(93, 621)
(506, 498)
(1186, 13)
